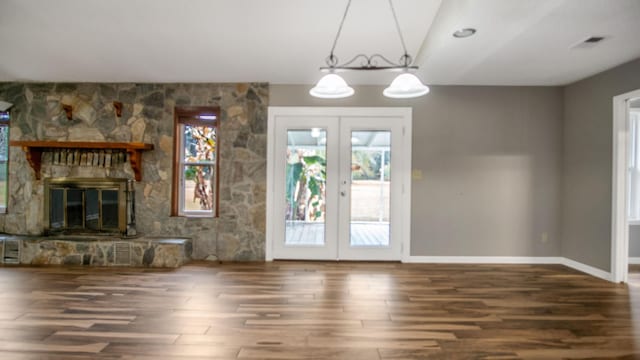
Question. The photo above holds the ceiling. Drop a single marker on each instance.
(518, 42)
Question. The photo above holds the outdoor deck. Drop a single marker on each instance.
(362, 233)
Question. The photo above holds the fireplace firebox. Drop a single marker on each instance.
(89, 206)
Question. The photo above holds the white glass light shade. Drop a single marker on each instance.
(405, 86)
(331, 86)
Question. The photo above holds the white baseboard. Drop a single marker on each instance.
(634, 260)
(513, 260)
(483, 260)
(587, 269)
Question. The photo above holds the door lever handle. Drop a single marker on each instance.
(343, 193)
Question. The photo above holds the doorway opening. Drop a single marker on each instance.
(625, 225)
(338, 183)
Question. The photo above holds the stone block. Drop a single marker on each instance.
(121, 133)
(149, 255)
(137, 130)
(74, 259)
(83, 133)
(166, 144)
(154, 99)
(85, 112)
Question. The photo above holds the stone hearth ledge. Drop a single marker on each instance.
(160, 252)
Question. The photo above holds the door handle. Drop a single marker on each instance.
(343, 193)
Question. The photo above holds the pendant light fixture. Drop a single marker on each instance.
(331, 86)
(405, 85)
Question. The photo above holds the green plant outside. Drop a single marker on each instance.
(307, 175)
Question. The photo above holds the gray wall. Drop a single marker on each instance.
(491, 164)
(586, 195)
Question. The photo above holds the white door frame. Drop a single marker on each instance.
(619, 198)
(395, 112)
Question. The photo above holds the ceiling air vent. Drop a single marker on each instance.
(587, 43)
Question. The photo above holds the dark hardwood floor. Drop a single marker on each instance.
(315, 310)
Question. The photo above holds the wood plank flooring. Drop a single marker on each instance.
(316, 310)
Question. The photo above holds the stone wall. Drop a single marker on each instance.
(99, 251)
(147, 116)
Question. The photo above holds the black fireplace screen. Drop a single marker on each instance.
(91, 209)
(89, 205)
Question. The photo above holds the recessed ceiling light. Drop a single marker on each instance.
(463, 33)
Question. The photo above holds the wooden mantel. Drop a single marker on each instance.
(34, 148)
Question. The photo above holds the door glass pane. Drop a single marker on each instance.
(92, 213)
(110, 209)
(305, 182)
(75, 209)
(56, 209)
(370, 186)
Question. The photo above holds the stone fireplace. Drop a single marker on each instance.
(89, 206)
(41, 131)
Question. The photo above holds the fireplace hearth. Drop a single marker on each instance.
(96, 206)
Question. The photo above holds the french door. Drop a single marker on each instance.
(338, 183)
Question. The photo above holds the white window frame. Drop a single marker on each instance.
(633, 208)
